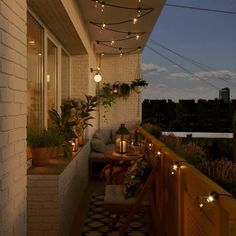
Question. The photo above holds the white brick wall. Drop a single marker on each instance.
(122, 69)
(53, 200)
(13, 117)
(79, 76)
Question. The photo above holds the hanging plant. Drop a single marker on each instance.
(124, 90)
(138, 85)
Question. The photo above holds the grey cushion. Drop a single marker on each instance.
(98, 145)
(104, 135)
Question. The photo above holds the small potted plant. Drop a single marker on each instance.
(138, 85)
(43, 145)
(124, 90)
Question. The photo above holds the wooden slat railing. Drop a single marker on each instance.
(176, 198)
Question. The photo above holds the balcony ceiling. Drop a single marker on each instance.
(95, 17)
(54, 16)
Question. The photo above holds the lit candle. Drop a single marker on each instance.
(73, 146)
(122, 146)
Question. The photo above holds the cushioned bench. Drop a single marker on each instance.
(101, 142)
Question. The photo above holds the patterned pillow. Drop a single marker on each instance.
(136, 177)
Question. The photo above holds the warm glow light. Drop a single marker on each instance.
(137, 36)
(97, 78)
(135, 21)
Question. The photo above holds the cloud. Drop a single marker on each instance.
(153, 69)
(175, 66)
(179, 76)
(221, 74)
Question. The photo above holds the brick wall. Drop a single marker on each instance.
(79, 76)
(13, 87)
(53, 200)
(122, 69)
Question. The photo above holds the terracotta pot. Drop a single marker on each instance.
(40, 156)
(80, 140)
(54, 152)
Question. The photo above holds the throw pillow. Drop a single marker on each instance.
(136, 177)
(98, 145)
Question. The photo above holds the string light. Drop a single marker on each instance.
(210, 199)
(135, 20)
(176, 166)
(141, 12)
(121, 50)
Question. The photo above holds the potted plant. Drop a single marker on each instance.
(84, 110)
(44, 144)
(138, 85)
(124, 90)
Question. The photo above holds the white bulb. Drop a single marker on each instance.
(97, 78)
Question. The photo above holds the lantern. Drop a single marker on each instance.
(122, 139)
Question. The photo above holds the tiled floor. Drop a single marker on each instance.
(94, 186)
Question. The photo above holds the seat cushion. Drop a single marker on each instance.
(114, 195)
(98, 145)
(136, 177)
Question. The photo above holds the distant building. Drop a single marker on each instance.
(224, 94)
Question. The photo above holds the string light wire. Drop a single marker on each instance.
(191, 61)
(183, 68)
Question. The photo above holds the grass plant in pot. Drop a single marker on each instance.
(44, 144)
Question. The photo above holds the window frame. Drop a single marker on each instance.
(48, 35)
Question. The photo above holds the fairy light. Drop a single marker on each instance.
(211, 198)
(135, 20)
(137, 36)
(176, 166)
(138, 12)
(112, 42)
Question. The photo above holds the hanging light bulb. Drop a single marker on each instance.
(102, 54)
(135, 20)
(97, 77)
(138, 12)
(102, 7)
(137, 36)
(112, 42)
(103, 26)
(96, 4)
(208, 199)
(120, 51)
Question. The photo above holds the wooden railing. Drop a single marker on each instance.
(176, 199)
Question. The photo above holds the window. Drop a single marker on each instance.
(48, 82)
(34, 74)
(52, 76)
(65, 75)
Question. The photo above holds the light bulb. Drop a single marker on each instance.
(97, 78)
(137, 36)
(135, 20)
(112, 42)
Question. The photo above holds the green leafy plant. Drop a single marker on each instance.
(139, 82)
(75, 116)
(67, 120)
(222, 171)
(152, 129)
(45, 138)
(84, 110)
(190, 151)
(107, 97)
(124, 90)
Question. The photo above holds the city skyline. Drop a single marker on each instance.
(205, 37)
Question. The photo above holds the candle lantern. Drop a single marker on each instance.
(116, 88)
(122, 139)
